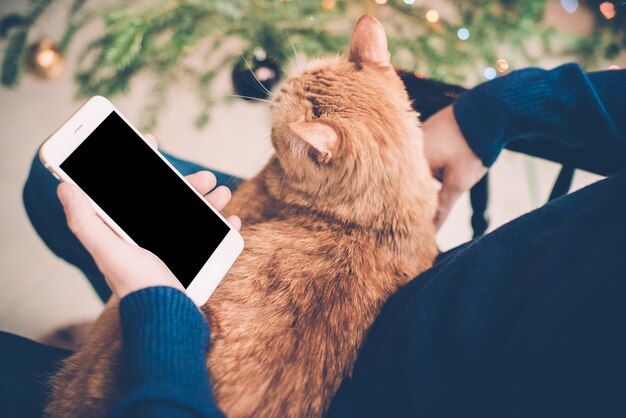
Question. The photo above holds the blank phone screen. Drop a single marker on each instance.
(141, 193)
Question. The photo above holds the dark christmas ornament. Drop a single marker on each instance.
(45, 60)
(254, 77)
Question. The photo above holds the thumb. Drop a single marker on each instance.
(448, 195)
(83, 221)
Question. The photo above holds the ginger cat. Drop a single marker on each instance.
(338, 220)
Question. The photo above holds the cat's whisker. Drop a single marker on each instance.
(267, 155)
(250, 98)
(269, 93)
(282, 182)
(293, 47)
(269, 152)
(296, 56)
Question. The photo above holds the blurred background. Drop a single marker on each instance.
(175, 67)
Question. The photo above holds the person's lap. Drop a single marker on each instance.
(25, 367)
(525, 321)
(461, 296)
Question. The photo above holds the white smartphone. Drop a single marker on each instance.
(142, 197)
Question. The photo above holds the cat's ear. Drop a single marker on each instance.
(368, 43)
(320, 136)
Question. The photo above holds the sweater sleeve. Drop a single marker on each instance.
(165, 338)
(566, 104)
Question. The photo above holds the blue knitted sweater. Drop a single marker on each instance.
(165, 337)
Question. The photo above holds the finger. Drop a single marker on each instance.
(235, 222)
(219, 197)
(83, 221)
(448, 195)
(152, 140)
(202, 181)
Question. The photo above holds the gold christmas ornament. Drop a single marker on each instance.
(45, 60)
(502, 65)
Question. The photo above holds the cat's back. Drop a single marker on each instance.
(292, 253)
(291, 313)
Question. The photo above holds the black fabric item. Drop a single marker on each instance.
(25, 367)
(428, 96)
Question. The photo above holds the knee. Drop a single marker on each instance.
(39, 194)
(40, 184)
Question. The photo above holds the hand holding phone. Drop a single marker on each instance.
(128, 268)
(143, 199)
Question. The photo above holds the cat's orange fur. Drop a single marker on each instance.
(339, 219)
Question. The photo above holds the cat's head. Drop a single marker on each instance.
(344, 126)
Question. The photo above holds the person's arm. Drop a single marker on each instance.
(165, 338)
(565, 103)
(164, 335)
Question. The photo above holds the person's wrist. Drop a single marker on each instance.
(165, 337)
(128, 268)
(122, 288)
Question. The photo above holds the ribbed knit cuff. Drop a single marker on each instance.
(494, 112)
(165, 339)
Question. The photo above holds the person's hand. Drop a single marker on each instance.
(451, 160)
(126, 267)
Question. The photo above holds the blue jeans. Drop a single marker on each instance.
(46, 214)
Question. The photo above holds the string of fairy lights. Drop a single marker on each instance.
(48, 62)
(501, 66)
(451, 49)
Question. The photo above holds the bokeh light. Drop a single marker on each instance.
(607, 9)
(463, 34)
(570, 6)
(432, 16)
(329, 4)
